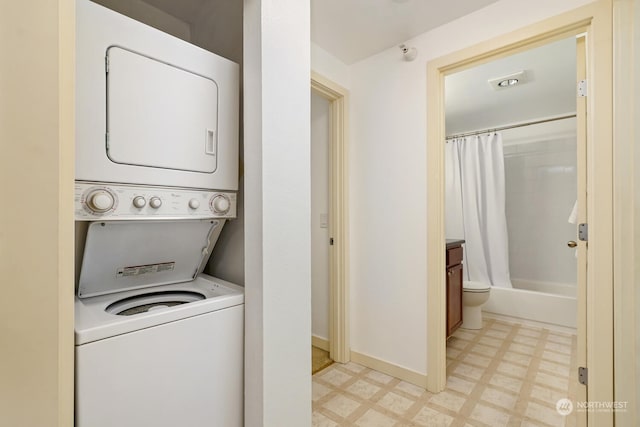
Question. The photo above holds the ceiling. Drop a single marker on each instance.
(472, 104)
(352, 30)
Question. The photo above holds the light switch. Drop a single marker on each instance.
(324, 220)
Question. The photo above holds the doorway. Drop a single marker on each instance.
(595, 324)
(330, 219)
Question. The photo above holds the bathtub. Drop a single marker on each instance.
(553, 303)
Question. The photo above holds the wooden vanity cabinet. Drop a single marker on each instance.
(454, 287)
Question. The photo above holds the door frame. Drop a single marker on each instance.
(595, 20)
(338, 97)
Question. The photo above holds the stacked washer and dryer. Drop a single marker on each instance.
(158, 342)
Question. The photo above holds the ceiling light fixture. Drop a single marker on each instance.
(508, 82)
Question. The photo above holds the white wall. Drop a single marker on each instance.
(327, 65)
(319, 224)
(277, 202)
(388, 180)
(541, 189)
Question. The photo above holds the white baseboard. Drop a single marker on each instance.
(321, 343)
(390, 369)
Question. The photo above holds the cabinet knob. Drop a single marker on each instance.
(449, 273)
(572, 244)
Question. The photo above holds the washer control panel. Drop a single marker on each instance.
(97, 201)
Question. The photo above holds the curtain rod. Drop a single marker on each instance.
(553, 119)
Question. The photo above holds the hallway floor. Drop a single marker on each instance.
(506, 374)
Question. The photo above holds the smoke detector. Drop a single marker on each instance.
(511, 80)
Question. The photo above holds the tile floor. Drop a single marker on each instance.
(506, 374)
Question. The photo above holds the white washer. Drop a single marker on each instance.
(158, 343)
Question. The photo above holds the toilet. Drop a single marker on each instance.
(474, 295)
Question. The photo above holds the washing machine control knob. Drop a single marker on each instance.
(139, 202)
(220, 204)
(155, 202)
(194, 203)
(100, 201)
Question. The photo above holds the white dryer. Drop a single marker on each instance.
(152, 109)
(158, 343)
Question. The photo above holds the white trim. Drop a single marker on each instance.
(390, 369)
(595, 18)
(321, 343)
(626, 188)
(338, 98)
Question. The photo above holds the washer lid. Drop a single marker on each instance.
(123, 255)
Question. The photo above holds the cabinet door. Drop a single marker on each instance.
(454, 298)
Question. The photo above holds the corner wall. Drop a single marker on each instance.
(277, 201)
(388, 181)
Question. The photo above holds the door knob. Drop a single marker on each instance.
(572, 243)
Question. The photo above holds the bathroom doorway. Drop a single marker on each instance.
(593, 320)
(329, 222)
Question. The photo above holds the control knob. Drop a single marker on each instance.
(220, 204)
(100, 201)
(194, 203)
(155, 202)
(139, 202)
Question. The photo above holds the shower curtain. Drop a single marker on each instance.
(475, 206)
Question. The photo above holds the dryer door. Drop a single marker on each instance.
(160, 115)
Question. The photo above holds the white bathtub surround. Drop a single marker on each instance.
(550, 303)
(475, 206)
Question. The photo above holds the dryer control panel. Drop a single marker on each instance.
(95, 201)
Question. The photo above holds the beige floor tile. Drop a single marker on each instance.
(363, 389)
(460, 385)
(395, 403)
(411, 389)
(501, 326)
(530, 332)
(499, 398)
(379, 377)
(428, 417)
(469, 371)
(484, 350)
(519, 358)
(491, 373)
(521, 339)
(318, 391)
(319, 420)
(354, 367)
(544, 414)
(500, 334)
(554, 381)
(508, 383)
(492, 342)
(477, 360)
(373, 418)
(558, 348)
(522, 348)
(555, 368)
(341, 405)
(448, 400)
(334, 376)
(490, 416)
(547, 395)
(512, 369)
(556, 357)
